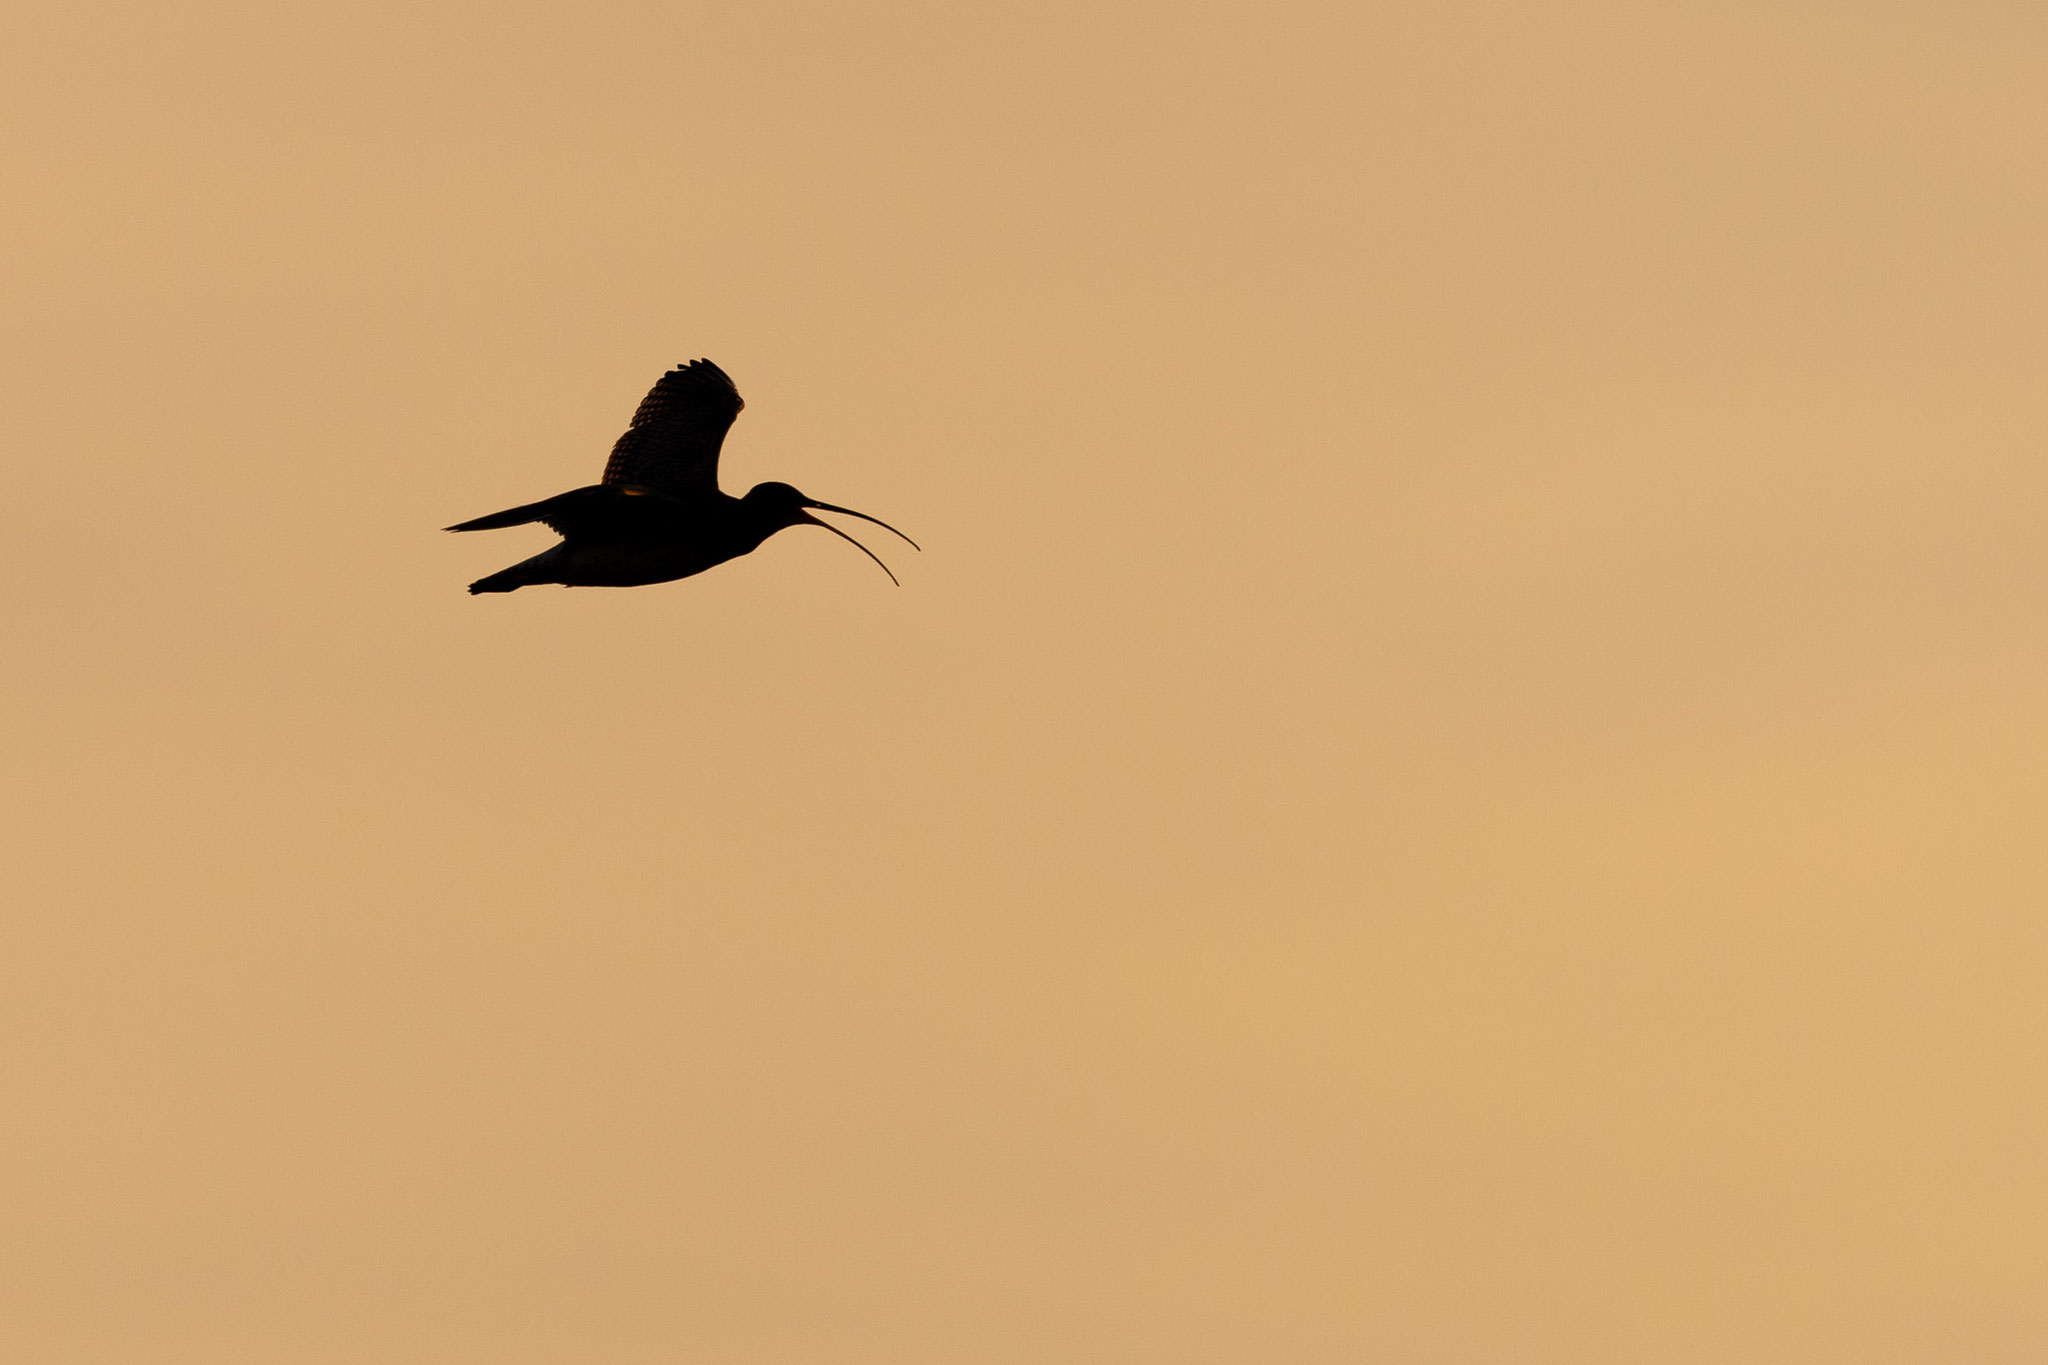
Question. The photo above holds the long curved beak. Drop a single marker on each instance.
(813, 521)
(848, 511)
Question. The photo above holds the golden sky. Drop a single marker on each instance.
(1461, 777)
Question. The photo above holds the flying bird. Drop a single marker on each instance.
(658, 514)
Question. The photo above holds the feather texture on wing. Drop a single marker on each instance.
(672, 446)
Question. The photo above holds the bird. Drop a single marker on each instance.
(658, 515)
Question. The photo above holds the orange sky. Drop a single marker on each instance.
(1460, 778)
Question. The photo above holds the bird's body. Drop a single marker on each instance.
(659, 514)
(627, 537)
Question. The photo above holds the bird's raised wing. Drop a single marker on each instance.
(672, 446)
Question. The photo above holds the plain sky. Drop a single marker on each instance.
(1461, 777)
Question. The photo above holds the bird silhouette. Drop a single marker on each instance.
(658, 514)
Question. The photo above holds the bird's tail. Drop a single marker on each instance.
(511, 516)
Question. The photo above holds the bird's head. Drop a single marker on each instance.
(781, 505)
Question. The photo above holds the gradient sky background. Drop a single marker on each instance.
(1461, 777)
